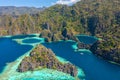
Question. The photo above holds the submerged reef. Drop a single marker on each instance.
(42, 57)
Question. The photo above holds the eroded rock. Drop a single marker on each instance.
(42, 57)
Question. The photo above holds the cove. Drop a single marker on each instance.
(87, 39)
(10, 51)
(10, 73)
(93, 67)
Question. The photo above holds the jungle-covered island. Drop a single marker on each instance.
(42, 57)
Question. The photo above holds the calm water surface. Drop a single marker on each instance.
(22, 36)
(94, 67)
(31, 40)
(10, 51)
(87, 39)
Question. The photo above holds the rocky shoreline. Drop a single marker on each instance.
(42, 57)
(107, 54)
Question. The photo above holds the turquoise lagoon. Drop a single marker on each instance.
(14, 49)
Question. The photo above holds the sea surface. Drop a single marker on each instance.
(94, 68)
(10, 51)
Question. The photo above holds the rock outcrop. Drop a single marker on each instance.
(42, 57)
(83, 46)
(65, 34)
(106, 51)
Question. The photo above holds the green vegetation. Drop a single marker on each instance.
(42, 57)
(99, 18)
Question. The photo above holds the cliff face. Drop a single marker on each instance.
(106, 51)
(65, 34)
(42, 57)
(100, 18)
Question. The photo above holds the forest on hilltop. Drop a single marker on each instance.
(99, 18)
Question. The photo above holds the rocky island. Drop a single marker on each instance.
(107, 49)
(42, 57)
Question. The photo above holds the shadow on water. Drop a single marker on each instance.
(94, 68)
(10, 51)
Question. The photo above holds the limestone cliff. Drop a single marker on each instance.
(107, 50)
(42, 57)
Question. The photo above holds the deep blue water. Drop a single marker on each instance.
(31, 40)
(10, 51)
(87, 39)
(94, 67)
(22, 36)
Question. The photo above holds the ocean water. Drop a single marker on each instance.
(31, 40)
(87, 39)
(94, 68)
(23, 36)
(10, 51)
(13, 50)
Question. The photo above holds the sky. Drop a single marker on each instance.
(35, 3)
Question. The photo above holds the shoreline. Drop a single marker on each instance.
(10, 70)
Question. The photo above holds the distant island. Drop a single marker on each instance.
(17, 11)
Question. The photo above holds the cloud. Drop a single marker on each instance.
(67, 2)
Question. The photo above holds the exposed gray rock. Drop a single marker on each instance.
(108, 54)
(45, 58)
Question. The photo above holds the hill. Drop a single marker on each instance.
(42, 57)
(99, 18)
(12, 10)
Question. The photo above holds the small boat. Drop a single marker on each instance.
(81, 53)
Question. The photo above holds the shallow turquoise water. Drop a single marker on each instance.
(16, 49)
(44, 74)
(94, 67)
